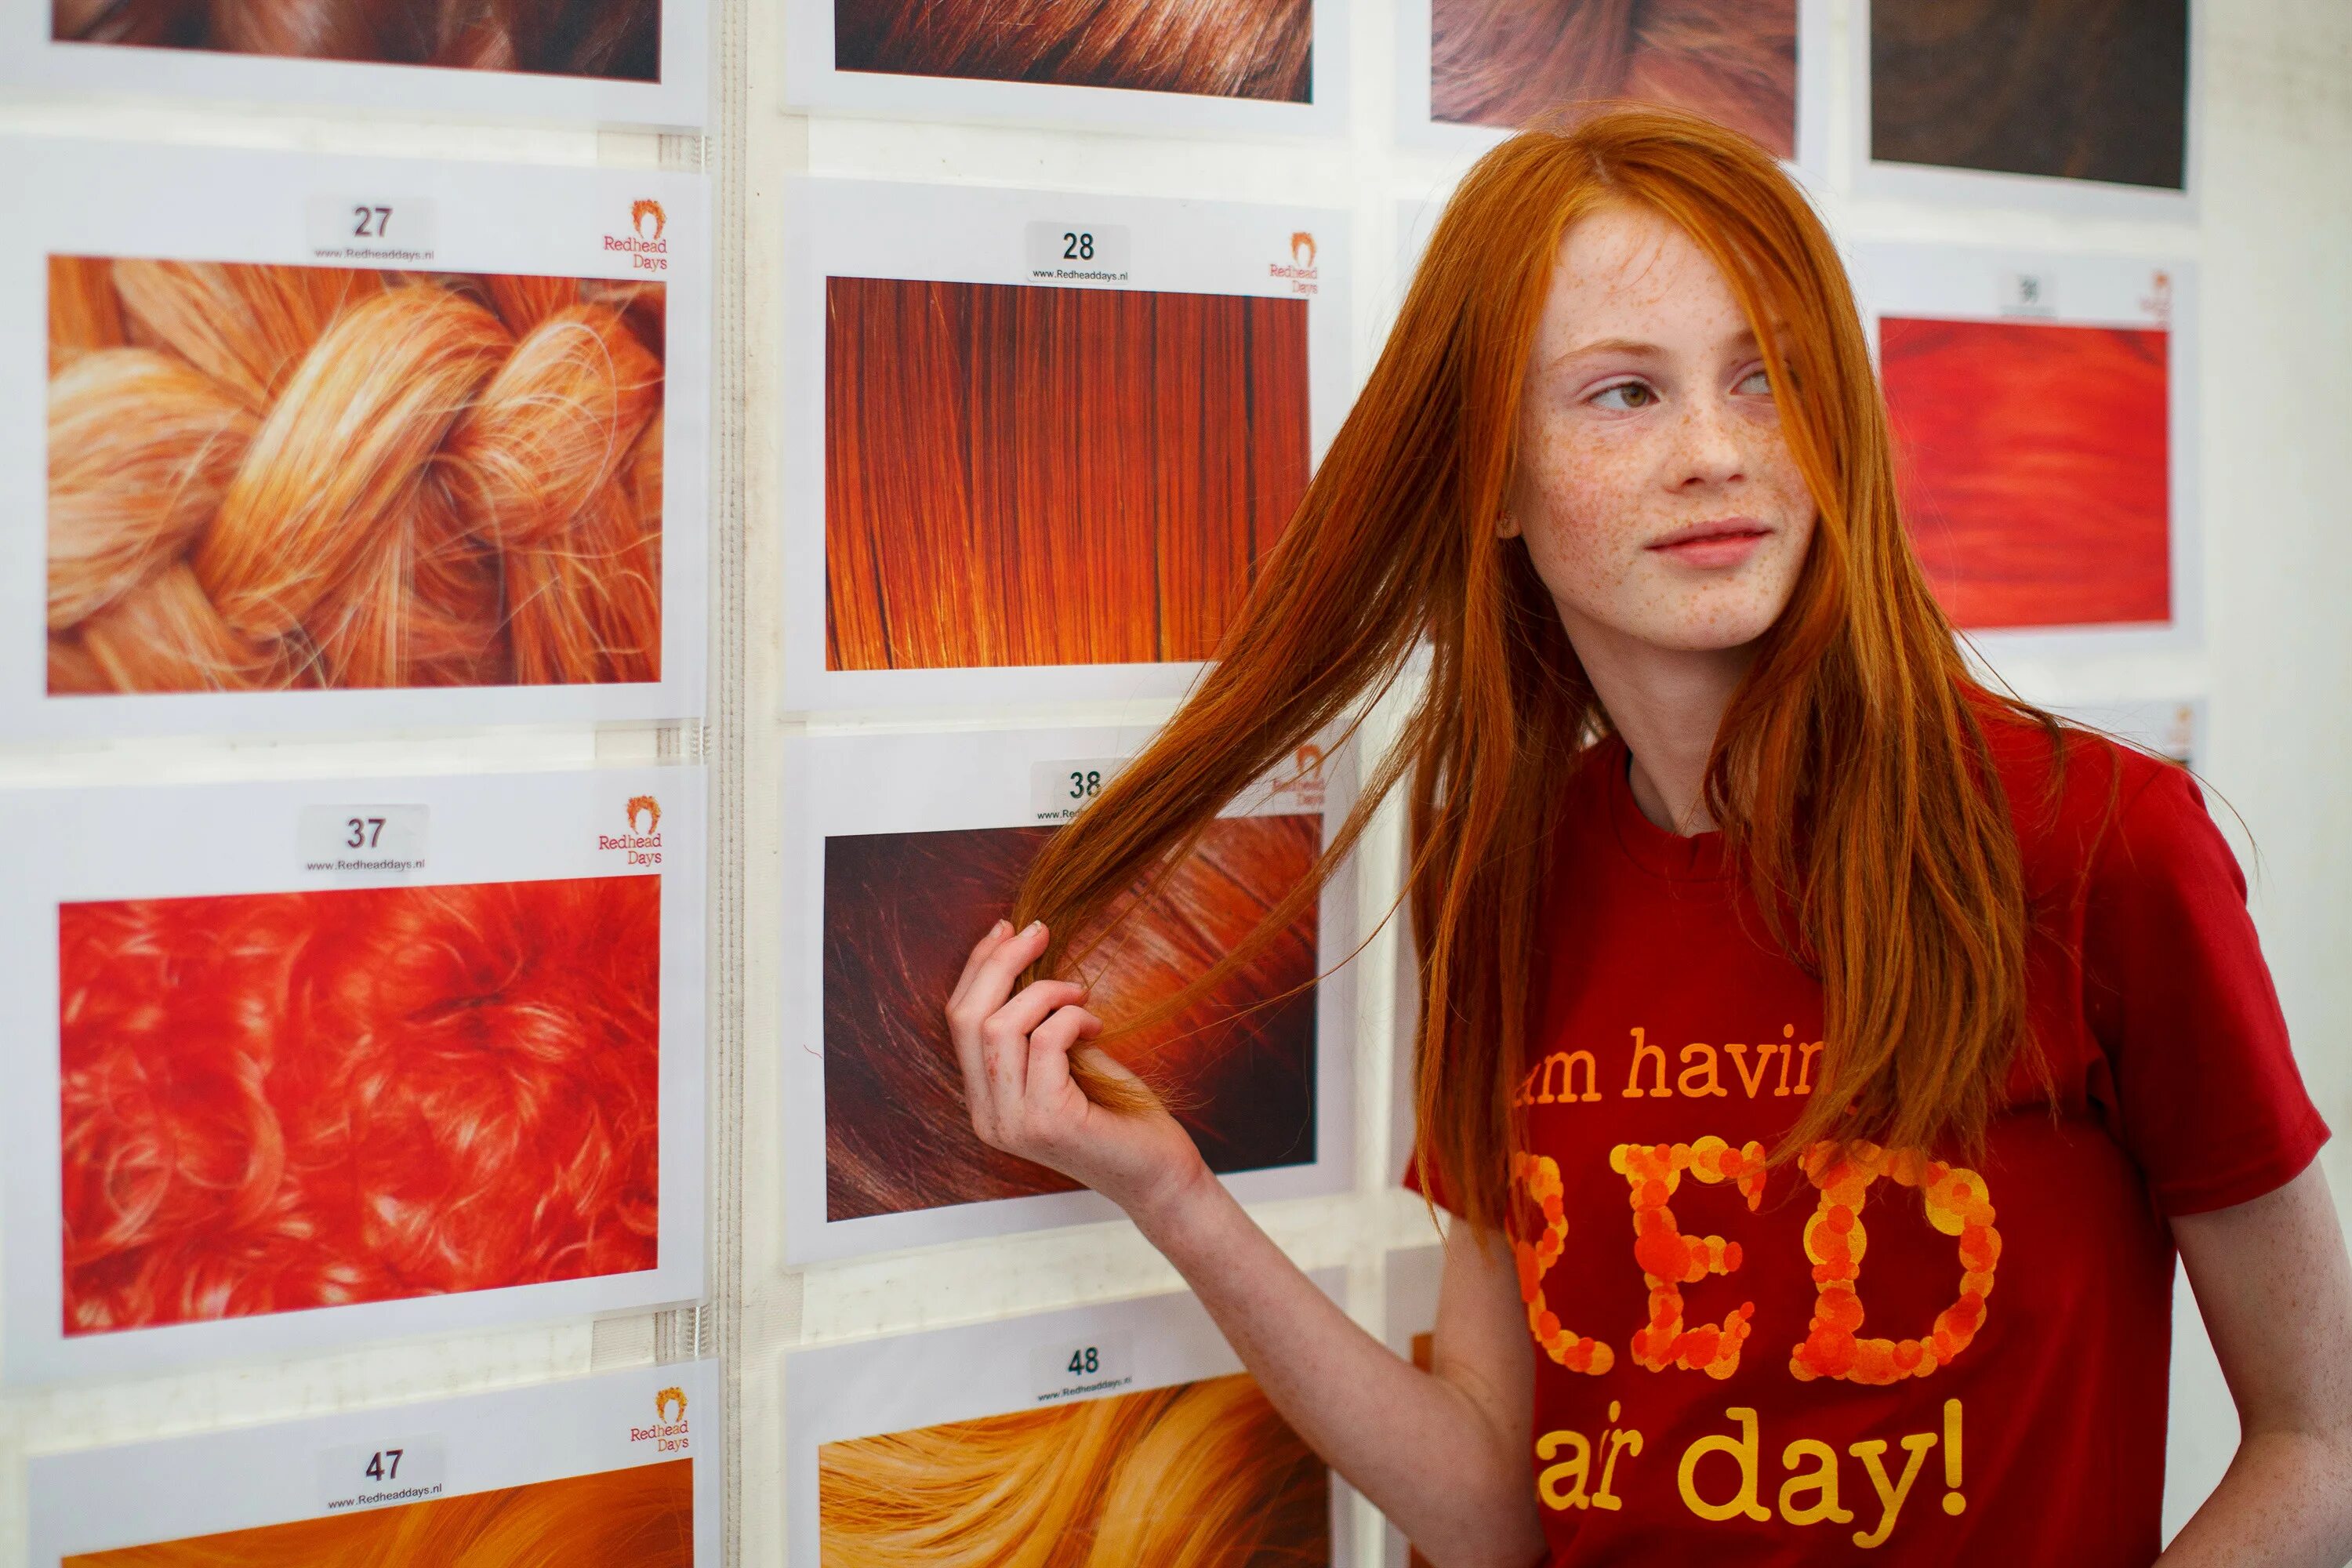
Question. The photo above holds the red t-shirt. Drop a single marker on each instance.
(1900, 1357)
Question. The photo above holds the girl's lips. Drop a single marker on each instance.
(1714, 544)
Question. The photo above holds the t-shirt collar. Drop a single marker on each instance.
(1697, 856)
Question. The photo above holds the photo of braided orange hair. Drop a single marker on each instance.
(1203, 1475)
(641, 1516)
(270, 477)
(275, 1101)
(614, 39)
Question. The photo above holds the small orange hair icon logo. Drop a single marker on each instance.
(640, 210)
(651, 810)
(664, 1399)
(1310, 763)
(1302, 249)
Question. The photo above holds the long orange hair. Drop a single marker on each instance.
(1851, 774)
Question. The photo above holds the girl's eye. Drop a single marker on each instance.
(1625, 396)
(1756, 383)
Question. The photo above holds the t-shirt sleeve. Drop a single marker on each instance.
(2211, 1104)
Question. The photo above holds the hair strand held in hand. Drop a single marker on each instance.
(1851, 774)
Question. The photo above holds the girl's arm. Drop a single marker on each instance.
(2272, 1282)
(1443, 1453)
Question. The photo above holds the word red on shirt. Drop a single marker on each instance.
(1888, 1351)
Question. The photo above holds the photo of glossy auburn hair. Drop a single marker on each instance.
(274, 1101)
(2087, 89)
(1507, 62)
(1221, 49)
(1203, 1475)
(641, 1516)
(2031, 458)
(903, 908)
(267, 477)
(1025, 476)
(1851, 774)
(616, 40)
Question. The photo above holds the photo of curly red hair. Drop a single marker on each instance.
(614, 39)
(1200, 1474)
(641, 1516)
(901, 910)
(275, 1101)
(272, 476)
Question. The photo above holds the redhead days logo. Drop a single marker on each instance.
(669, 1433)
(644, 245)
(1299, 270)
(641, 843)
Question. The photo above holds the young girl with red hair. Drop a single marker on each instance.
(1745, 912)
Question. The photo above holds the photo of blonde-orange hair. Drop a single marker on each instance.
(269, 476)
(643, 1516)
(1203, 1475)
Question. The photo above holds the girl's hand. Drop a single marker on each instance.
(1016, 1051)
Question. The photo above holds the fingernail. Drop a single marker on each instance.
(1000, 928)
(1034, 927)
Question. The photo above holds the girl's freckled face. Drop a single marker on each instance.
(1655, 491)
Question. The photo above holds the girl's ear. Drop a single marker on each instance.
(1507, 526)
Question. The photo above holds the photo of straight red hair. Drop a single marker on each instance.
(272, 476)
(275, 1101)
(1221, 49)
(1019, 475)
(1506, 62)
(1851, 774)
(641, 1516)
(2033, 458)
(615, 39)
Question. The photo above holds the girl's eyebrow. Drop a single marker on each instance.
(1741, 341)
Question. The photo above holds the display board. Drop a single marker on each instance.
(2085, 108)
(2171, 727)
(903, 850)
(622, 1467)
(2043, 409)
(1120, 1433)
(1036, 444)
(305, 1063)
(643, 62)
(1239, 67)
(337, 442)
(1470, 72)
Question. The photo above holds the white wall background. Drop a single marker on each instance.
(2274, 250)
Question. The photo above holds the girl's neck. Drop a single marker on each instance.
(1667, 704)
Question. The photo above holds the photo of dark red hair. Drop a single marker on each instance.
(901, 910)
(1505, 62)
(1027, 476)
(1203, 1473)
(614, 39)
(274, 1101)
(1222, 48)
(641, 1516)
(272, 476)
(2032, 462)
(2089, 90)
